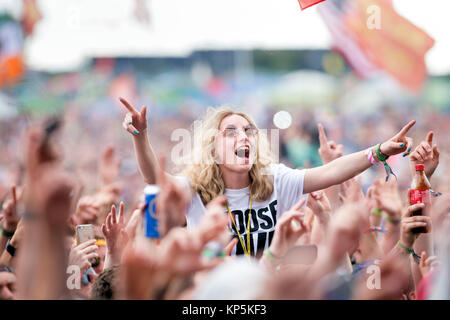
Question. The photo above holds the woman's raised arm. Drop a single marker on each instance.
(135, 122)
(346, 167)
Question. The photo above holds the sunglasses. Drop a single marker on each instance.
(232, 131)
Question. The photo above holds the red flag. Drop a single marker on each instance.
(308, 3)
(399, 47)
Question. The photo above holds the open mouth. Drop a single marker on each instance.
(243, 152)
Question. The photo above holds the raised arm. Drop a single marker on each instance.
(346, 167)
(135, 122)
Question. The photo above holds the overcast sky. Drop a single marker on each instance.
(73, 30)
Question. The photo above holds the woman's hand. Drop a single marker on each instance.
(398, 143)
(328, 150)
(135, 122)
(288, 229)
(427, 154)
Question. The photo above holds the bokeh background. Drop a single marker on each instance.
(324, 64)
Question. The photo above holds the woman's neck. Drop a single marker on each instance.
(235, 180)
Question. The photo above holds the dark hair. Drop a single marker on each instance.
(104, 287)
(4, 268)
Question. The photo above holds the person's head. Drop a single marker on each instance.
(7, 283)
(105, 285)
(226, 142)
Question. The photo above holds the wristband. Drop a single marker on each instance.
(10, 249)
(6, 234)
(274, 260)
(382, 157)
(376, 212)
(375, 228)
(370, 156)
(410, 251)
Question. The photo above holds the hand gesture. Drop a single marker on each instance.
(388, 198)
(87, 210)
(109, 166)
(81, 255)
(9, 213)
(172, 201)
(351, 191)
(427, 154)
(409, 222)
(288, 229)
(328, 150)
(48, 187)
(115, 234)
(320, 205)
(427, 264)
(135, 122)
(398, 143)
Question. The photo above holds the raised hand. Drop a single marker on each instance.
(9, 213)
(351, 191)
(320, 205)
(427, 154)
(87, 211)
(427, 264)
(135, 122)
(134, 227)
(109, 166)
(288, 229)
(80, 255)
(115, 234)
(410, 222)
(328, 150)
(388, 198)
(172, 201)
(398, 143)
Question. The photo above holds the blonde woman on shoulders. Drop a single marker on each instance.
(230, 156)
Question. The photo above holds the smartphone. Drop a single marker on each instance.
(301, 254)
(84, 232)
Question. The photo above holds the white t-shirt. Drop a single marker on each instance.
(288, 190)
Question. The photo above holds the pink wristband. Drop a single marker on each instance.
(370, 156)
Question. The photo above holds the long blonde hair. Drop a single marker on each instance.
(204, 173)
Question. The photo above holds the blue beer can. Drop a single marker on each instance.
(151, 220)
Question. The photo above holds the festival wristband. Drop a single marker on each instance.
(274, 260)
(370, 156)
(376, 212)
(410, 251)
(375, 228)
(382, 157)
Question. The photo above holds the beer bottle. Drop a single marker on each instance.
(419, 193)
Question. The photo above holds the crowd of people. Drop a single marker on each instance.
(233, 223)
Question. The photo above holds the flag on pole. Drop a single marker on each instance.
(308, 3)
(397, 47)
(344, 41)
